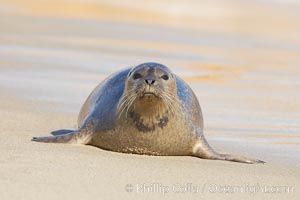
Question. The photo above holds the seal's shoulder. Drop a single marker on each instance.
(104, 98)
(184, 91)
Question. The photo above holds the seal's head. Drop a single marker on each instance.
(150, 87)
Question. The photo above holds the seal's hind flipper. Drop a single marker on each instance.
(61, 132)
(203, 150)
(242, 159)
(75, 137)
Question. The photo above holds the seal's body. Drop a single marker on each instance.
(143, 110)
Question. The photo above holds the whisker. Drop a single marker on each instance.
(129, 105)
(126, 101)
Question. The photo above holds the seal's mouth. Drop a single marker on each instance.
(149, 94)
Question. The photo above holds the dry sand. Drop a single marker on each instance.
(245, 73)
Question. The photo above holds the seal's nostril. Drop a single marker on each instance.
(149, 81)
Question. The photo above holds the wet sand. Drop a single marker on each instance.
(244, 68)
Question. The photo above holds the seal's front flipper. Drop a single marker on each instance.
(203, 150)
(61, 132)
(74, 137)
(66, 138)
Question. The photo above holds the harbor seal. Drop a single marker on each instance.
(145, 109)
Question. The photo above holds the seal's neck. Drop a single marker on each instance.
(149, 117)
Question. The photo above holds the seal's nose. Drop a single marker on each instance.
(150, 81)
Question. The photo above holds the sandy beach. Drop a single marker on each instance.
(241, 59)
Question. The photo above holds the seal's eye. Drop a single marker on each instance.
(137, 76)
(165, 77)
